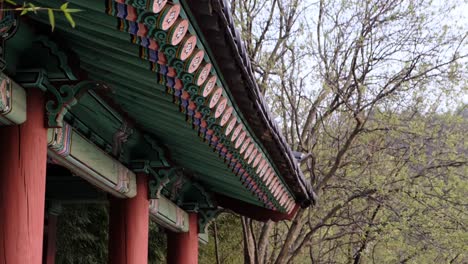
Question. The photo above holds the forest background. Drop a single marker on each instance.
(373, 93)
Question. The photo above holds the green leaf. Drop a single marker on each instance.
(33, 8)
(69, 18)
(24, 12)
(64, 6)
(73, 10)
(10, 2)
(51, 18)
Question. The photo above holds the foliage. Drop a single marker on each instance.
(368, 91)
(230, 241)
(82, 234)
(156, 245)
(28, 7)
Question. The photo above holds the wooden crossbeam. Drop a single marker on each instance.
(68, 148)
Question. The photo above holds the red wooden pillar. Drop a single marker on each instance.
(182, 248)
(22, 185)
(51, 239)
(129, 226)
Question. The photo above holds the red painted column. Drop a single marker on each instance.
(182, 248)
(22, 185)
(129, 226)
(51, 240)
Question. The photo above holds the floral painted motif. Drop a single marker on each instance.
(226, 116)
(61, 140)
(5, 95)
(209, 86)
(178, 32)
(123, 180)
(220, 108)
(240, 140)
(180, 220)
(158, 5)
(120, 137)
(154, 206)
(172, 14)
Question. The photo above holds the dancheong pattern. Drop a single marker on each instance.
(183, 67)
(5, 95)
(61, 140)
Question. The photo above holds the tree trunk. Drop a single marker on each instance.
(216, 242)
(249, 246)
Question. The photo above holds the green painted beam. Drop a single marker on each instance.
(71, 150)
(169, 215)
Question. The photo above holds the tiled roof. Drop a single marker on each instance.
(214, 20)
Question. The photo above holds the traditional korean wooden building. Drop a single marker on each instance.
(149, 105)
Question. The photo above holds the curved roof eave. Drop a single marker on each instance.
(214, 21)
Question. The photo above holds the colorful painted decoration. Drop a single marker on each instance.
(131, 13)
(120, 137)
(60, 142)
(123, 182)
(257, 160)
(188, 75)
(250, 148)
(264, 170)
(253, 155)
(8, 22)
(154, 206)
(194, 61)
(6, 95)
(168, 16)
(245, 145)
(71, 150)
(236, 132)
(240, 140)
(267, 174)
(277, 190)
(288, 204)
(12, 102)
(213, 100)
(270, 179)
(260, 167)
(202, 74)
(283, 198)
(187, 47)
(226, 116)
(155, 5)
(158, 5)
(230, 126)
(220, 107)
(177, 32)
(209, 86)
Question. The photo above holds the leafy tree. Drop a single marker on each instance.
(368, 91)
(82, 236)
(157, 244)
(229, 241)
